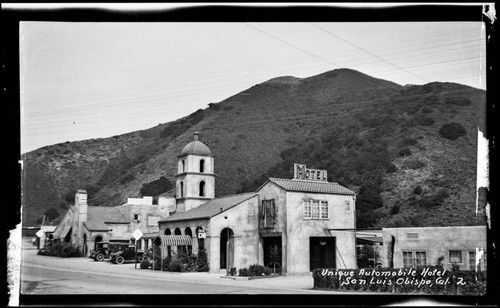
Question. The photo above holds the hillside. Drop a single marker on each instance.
(408, 151)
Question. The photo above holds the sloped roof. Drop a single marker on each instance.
(107, 214)
(96, 226)
(311, 186)
(211, 208)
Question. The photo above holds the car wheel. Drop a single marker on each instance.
(120, 260)
(99, 257)
(144, 259)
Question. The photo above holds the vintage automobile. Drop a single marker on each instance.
(128, 254)
(105, 249)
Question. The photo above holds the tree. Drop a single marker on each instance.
(156, 187)
(452, 131)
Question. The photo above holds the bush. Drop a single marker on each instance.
(201, 264)
(423, 120)
(475, 282)
(51, 214)
(257, 270)
(176, 266)
(232, 271)
(62, 250)
(417, 190)
(395, 209)
(405, 152)
(409, 142)
(414, 164)
(452, 131)
(244, 272)
(460, 101)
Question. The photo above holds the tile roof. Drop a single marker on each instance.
(105, 214)
(211, 208)
(311, 186)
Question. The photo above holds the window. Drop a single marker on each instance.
(307, 209)
(420, 259)
(324, 210)
(137, 217)
(315, 209)
(181, 192)
(414, 259)
(202, 165)
(472, 260)
(183, 166)
(455, 256)
(269, 213)
(202, 189)
(348, 208)
(412, 236)
(407, 259)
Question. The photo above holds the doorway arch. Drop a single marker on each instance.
(97, 240)
(226, 248)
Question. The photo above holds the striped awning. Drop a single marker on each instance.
(173, 240)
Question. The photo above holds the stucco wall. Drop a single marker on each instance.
(246, 237)
(436, 242)
(299, 230)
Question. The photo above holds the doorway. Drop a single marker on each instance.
(321, 252)
(226, 253)
(273, 252)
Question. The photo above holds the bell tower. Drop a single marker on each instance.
(195, 181)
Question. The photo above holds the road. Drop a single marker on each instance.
(52, 275)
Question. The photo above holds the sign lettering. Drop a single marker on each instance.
(300, 172)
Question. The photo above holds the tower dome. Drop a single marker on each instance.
(196, 147)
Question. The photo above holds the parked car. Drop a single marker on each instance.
(105, 249)
(128, 254)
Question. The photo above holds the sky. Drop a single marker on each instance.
(82, 80)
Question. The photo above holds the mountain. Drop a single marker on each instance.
(409, 151)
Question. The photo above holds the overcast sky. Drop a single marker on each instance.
(90, 80)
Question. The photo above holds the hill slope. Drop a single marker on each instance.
(396, 146)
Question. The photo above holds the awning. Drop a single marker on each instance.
(173, 240)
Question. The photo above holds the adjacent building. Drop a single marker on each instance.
(309, 221)
(464, 246)
(83, 225)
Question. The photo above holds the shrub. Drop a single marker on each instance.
(405, 152)
(51, 214)
(61, 249)
(417, 190)
(176, 266)
(232, 271)
(395, 209)
(475, 282)
(424, 120)
(257, 270)
(460, 101)
(452, 131)
(409, 142)
(166, 263)
(244, 272)
(201, 264)
(414, 164)
(127, 178)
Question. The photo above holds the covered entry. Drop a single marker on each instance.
(321, 252)
(162, 244)
(226, 248)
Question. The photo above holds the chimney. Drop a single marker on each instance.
(81, 204)
(196, 135)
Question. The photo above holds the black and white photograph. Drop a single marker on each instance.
(321, 159)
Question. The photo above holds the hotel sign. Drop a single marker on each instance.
(300, 172)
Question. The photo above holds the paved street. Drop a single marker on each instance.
(52, 275)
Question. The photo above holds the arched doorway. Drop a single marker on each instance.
(226, 248)
(97, 240)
